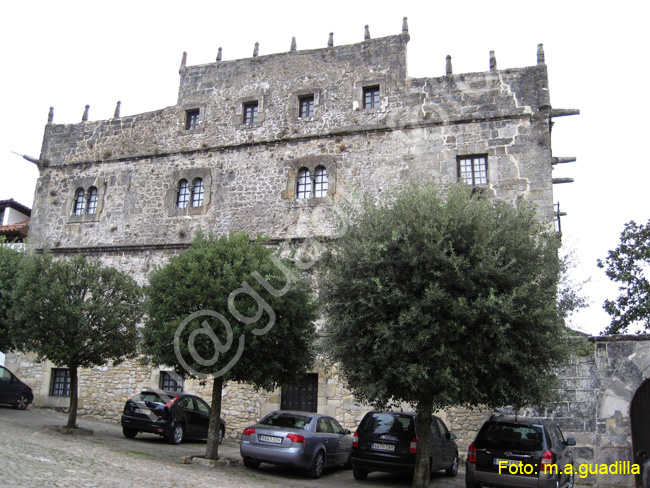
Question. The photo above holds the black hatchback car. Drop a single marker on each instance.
(13, 391)
(387, 441)
(521, 452)
(175, 416)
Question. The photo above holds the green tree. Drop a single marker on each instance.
(227, 309)
(629, 265)
(443, 298)
(9, 264)
(75, 313)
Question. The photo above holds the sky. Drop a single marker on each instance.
(67, 54)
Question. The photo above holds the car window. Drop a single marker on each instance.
(201, 406)
(148, 397)
(5, 374)
(387, 423)
(442, 427)
(336, 426)
(283, 419)
(557, 440)
(186, 402)
(503, 435)
(434, 427)
(323, 425)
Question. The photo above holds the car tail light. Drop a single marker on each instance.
(471, 453)
(249, 431)
(548, 461)
(355, 440)
(171, 402)
(413, 448)
(296, 438)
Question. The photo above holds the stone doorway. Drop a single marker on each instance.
(640, 423)
(301, 396)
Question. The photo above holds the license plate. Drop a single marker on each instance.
(383, 447)
(271, 439)
(144, 411)
(506, 462)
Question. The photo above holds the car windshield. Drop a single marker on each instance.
(387, 423)
(510, 436)
(283, 419)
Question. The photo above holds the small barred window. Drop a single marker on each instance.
(197, 193)
(79, 202)
(92, 200)
(320, 182)
(304, 184)
(183, 194)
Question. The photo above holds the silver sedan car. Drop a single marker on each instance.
(304, 440)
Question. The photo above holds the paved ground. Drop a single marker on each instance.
(33, 457)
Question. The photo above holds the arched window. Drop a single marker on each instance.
(320, 182)
(92, 201)
(304, 184)
(79, 202)
(197, 193)
(183, 194)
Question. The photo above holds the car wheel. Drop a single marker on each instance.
(453, 470)
(130, 433)
(222, 433)
(359, 473)
(176, 437)
(348, 463)
(21, 402)
(251, 463)
(317, 466)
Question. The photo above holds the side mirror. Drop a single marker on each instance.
(570, 442)
(347, 431)
(452, 437)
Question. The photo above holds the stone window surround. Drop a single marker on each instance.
(311, 163)
(85, 183)
(239, 110)
(182, 117)
(295, 104)
(366, 83)
(189, 174)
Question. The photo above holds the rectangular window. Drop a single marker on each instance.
(473, 170)
(60, 383)
(306, 108)
(250, 113)
(171, 381)
(192, 119)
(371, 96)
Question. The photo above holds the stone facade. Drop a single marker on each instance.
(239, 127)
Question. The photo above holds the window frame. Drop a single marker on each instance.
(305, 182)
(310, 101)
(92, 200)
(192, 118)
(482, 171)
(375, 99)
(183, 193)
(194, 200)
(59, 386)
(167, 382)
(79, 200)
(254, 107)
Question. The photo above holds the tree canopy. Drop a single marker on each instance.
(629, 265)
(442, 298)
(9, 264)
(228, 309)
(75, 313)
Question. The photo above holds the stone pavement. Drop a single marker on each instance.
(35, 457)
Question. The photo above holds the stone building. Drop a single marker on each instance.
(272, 144)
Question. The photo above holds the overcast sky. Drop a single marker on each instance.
(68, 54)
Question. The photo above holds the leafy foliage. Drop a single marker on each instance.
(629, 265)
(228, 325)
(75, 313)
(9, 264)
(440, 299)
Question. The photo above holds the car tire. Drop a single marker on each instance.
(453, 469)
(222, 434)
(251, 463)
(130, 433)
(21, 402)
(359, 473)
(317, 466)
(176, 436)
(348, 463)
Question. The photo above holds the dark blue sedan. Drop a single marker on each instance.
(13, 391)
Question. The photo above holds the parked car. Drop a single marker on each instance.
(388, 441)
(13, 391)
(304, 440)
(175, 416)
(521, 452)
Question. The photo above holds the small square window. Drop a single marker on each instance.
(60, 383)
(250, 113)
(473, 170)
(171, 381)
(192, 119)
(306, 108)
(371, 96)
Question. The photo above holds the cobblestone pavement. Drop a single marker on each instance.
(34, 457)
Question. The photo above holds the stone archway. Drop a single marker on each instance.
(640, 424)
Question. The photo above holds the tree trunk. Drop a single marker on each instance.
(72, 411)
(212, 449)
(422, 458)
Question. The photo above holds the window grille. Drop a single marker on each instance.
(320, 182)
(79, 202)
(197, 193)
(183, 195)
(92, 200)
(473, 170)
(171, 381)
(60, 384)
(304, 184)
